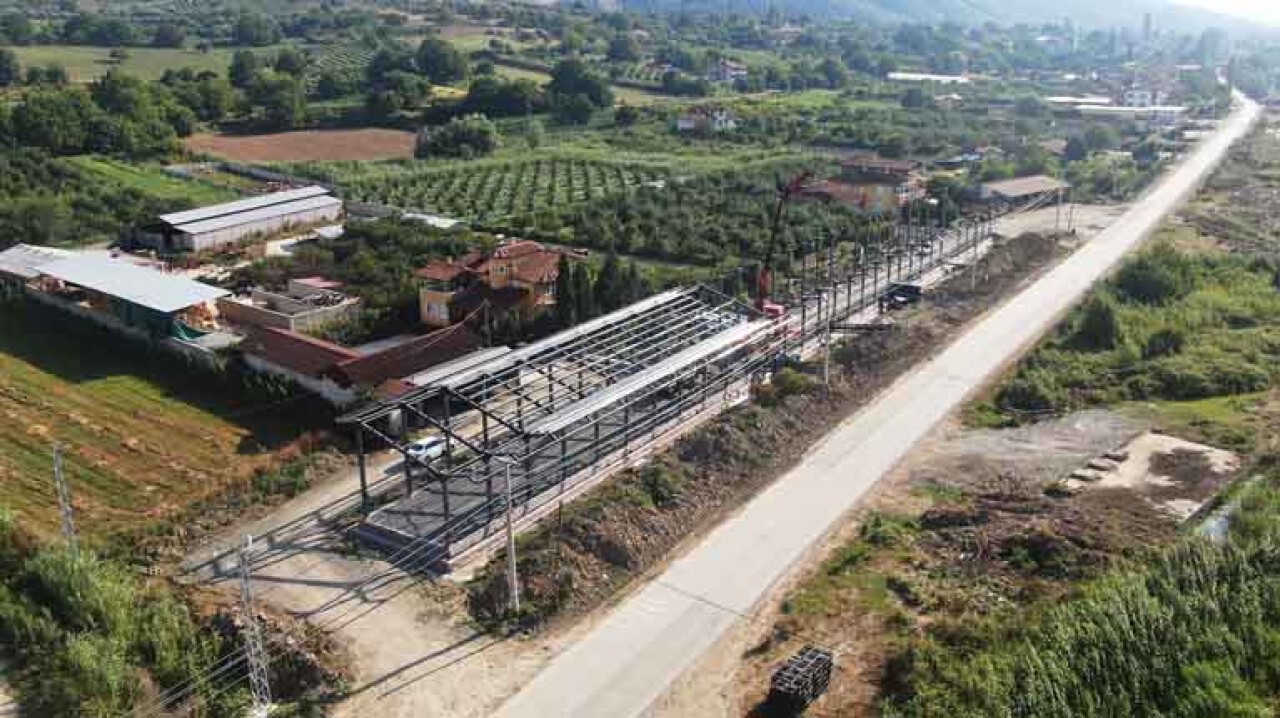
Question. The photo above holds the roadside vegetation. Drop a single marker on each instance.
(94, 639)
(978, 596)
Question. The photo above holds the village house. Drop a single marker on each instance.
(873, 184)
(518, 276)
(728, 71)
(343, 375)
(308, 304)
(1143, 97)
(706, 120)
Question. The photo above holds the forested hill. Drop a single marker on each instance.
(1085, 13)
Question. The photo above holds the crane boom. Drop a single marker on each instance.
(764, 279)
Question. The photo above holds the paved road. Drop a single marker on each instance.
(627, 662)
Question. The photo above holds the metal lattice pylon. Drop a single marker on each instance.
(254, 651)
(64, 500)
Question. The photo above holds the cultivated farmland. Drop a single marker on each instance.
(347, 62)
(151, 181)
(85, 64)
(142, 437)
(306, 145)
(488, 190)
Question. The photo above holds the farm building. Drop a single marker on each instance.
(1156, 117)
(341, 374)
(307, 305)
(137, 300)
(1022, 188)
(21, 263)
(206, 228)
(872, 184)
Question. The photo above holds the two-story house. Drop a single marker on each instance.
(517, 275)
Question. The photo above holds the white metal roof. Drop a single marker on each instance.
(242, 205)
(25, 260)
(529, 350)
(256, 215)
(139, 285)
(727, 340)
(469, 361)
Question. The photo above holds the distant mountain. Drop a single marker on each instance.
(1084, 13)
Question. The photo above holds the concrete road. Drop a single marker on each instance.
(627, 662)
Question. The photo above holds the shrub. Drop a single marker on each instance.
(1032, 393)
(466, 137)
(1156, 277)
(660, 485)
(1099, 328)
(1163, 343)
(790, 382)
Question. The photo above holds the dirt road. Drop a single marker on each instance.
(627, 662)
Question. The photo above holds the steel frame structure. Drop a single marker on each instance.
(596, 394)
(555, 407)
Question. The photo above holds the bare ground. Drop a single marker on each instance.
(995, 540)
(307, 145)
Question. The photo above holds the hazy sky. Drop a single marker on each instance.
(1267, 11)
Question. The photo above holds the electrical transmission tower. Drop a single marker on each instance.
(254, 651)
(64, 500)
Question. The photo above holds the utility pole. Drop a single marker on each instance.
(64, 501)
(513, 577)
(254, 651)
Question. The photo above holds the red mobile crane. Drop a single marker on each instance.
(764, 279)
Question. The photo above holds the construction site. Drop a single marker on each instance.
(515, 431)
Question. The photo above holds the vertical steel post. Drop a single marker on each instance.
(513, 579)
(360, 464)
(255, 652)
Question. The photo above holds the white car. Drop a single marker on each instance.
(424, 450)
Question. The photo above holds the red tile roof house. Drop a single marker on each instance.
(517, 275)
(872, 184)
(343, 376)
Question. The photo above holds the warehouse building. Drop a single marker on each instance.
(233, 222)
(170, 311)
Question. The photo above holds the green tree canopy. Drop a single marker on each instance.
(441, 62)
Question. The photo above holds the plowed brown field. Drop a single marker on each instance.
(307, 145)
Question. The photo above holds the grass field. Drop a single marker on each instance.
(142, 437)
(627, 95)
(85, 64)
(151, 181)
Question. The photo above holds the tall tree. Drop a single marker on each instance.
(244, 65)
(441, 62)
(291, 61)
(10, 71)
(566, 311)
(583, 295)
(169, 34)
(255, 29)
(610, 292)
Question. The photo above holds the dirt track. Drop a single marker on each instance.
(307, 145)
